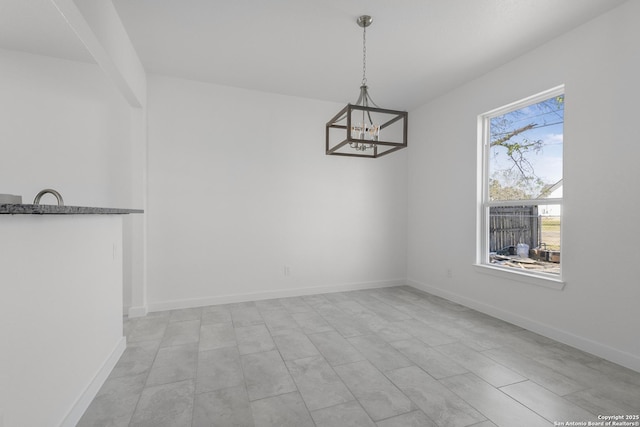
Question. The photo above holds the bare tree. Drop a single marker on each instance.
(520, 177)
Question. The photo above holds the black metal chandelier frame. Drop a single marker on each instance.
(334, 123)
(356, 143)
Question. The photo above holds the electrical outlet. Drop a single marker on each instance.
(449, 273)
(286, 271)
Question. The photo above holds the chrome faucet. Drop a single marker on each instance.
(36, 201)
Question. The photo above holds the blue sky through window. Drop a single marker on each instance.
(531, 159)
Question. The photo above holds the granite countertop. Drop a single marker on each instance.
(15, 209)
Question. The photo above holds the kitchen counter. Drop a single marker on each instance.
(21, 209)
(60, 310)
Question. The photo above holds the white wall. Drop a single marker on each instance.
(98, 25)
(597, 310)
(240, 187)
(60, 314)
(63, 127)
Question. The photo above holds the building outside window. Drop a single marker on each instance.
(521, 185)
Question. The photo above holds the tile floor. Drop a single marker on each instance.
(384, 357)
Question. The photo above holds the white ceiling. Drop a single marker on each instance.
(416, 49)
(36, 26)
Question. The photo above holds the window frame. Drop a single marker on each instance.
(482, 265)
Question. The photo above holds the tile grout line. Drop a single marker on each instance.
(146, 378)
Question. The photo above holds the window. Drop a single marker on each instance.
(521, 186)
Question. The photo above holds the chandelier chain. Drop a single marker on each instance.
(364, 55)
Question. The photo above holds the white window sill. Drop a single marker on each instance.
(520, 276)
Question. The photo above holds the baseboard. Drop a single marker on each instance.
(83, 402)
(611, 354)
(139, 311)
(279, 293)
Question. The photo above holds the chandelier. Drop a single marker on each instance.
(363, 129)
